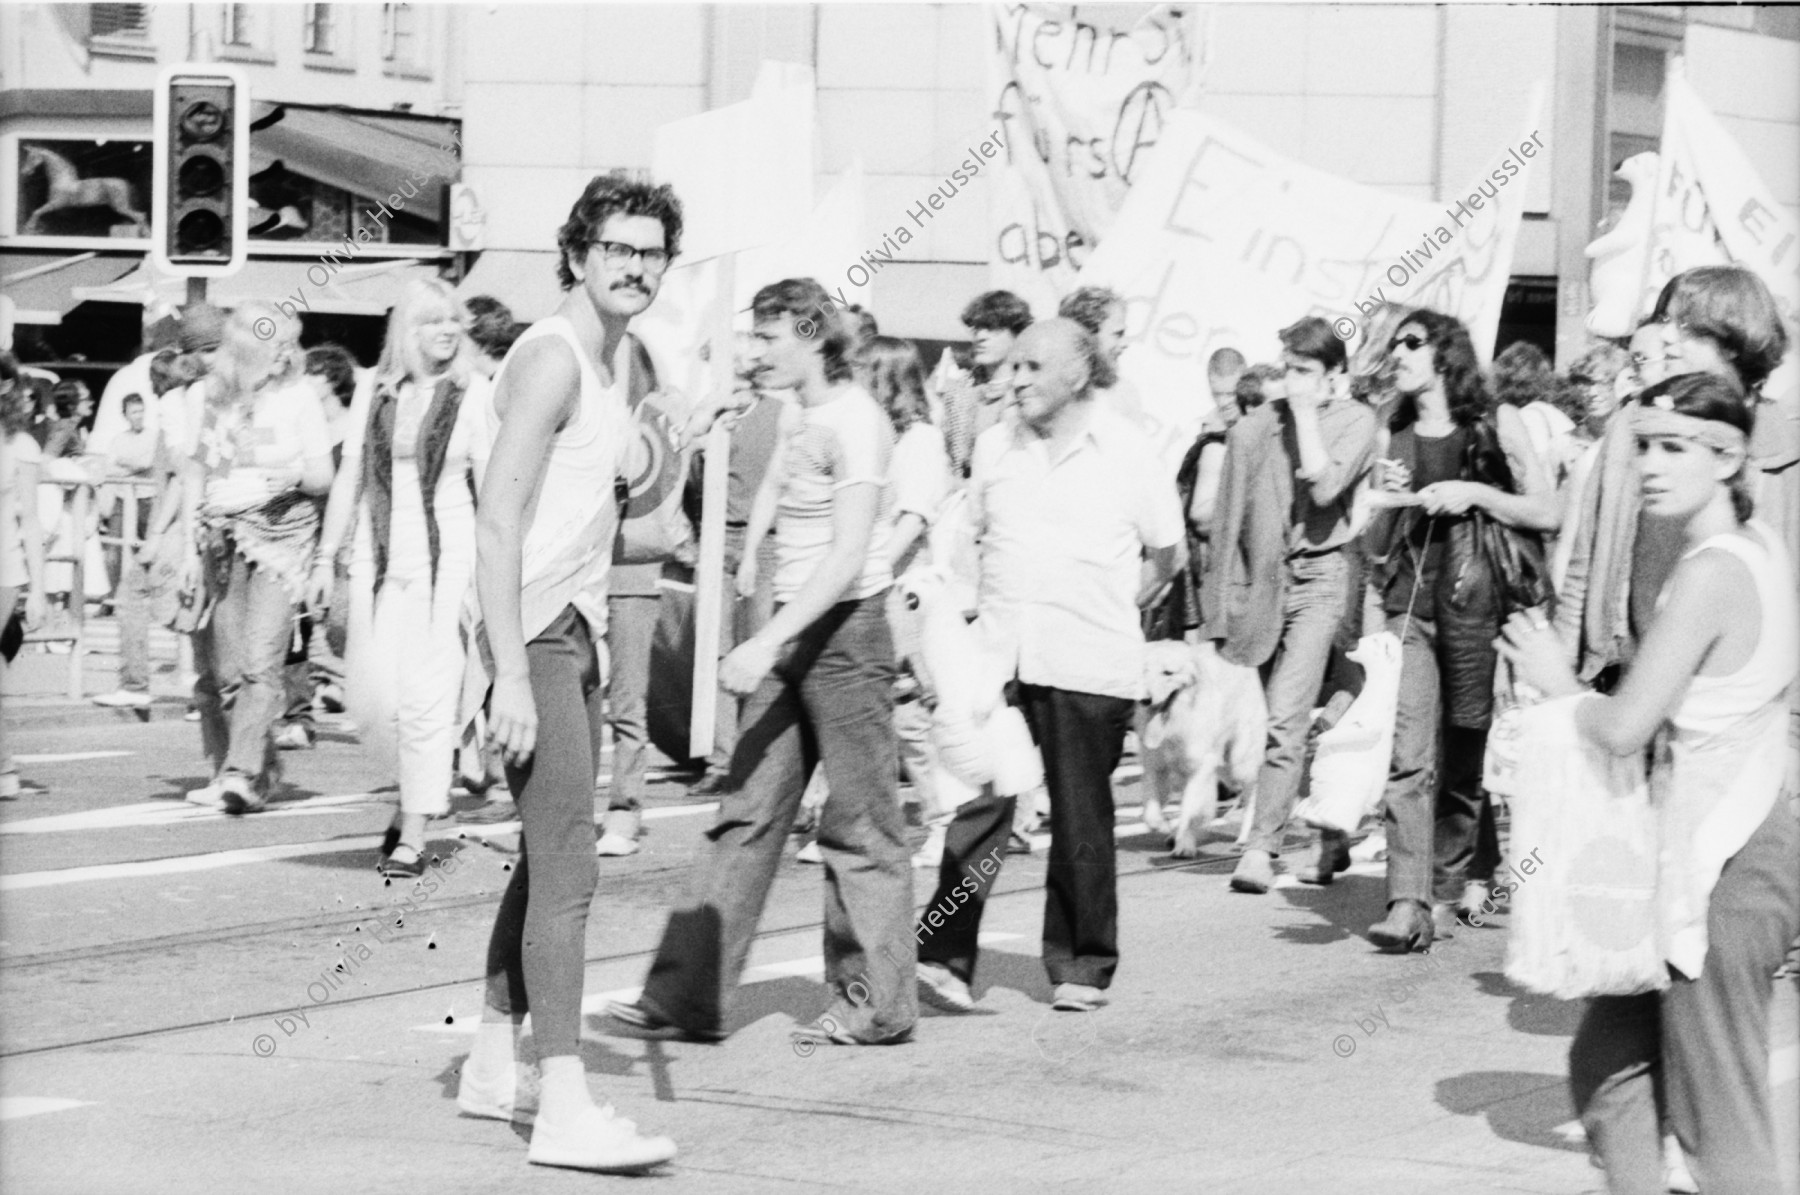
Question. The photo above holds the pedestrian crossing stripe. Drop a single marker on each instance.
(70, 757)
(179, 864)
(16, 1107)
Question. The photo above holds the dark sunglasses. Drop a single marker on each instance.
(1410, 342)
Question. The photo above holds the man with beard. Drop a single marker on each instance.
(544, 541)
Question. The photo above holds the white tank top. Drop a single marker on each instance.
(573, 516)
(1723, 756)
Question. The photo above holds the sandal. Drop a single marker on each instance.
(398, 869)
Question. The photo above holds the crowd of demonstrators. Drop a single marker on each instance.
(413, 453)
(1628, 527)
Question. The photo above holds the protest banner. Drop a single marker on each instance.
(1223, 241)
(1080, 101)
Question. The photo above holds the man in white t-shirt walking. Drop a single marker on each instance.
(819, 677)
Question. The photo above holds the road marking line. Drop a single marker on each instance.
(171, 812)
(13, 1107)
(178, 864)
(1784, 1066)
(71, 756)
(594, 1003)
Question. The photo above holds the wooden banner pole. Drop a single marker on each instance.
(712, 588)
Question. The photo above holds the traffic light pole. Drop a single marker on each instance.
(196, 290)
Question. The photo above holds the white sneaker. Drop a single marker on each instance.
(810, 853)
(124, 699)
(615, 844)
(598, 1140)
(511, 1097)
(210, 797)
(941, 989)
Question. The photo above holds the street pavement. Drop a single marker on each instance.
(177, 1019)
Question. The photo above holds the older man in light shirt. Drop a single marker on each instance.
(1079, 526)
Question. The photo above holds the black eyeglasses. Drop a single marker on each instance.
(617, 253)
(1410, 342)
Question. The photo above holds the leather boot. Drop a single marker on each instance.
(1406, 928)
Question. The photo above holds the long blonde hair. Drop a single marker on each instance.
(258, 347)
(400, 355)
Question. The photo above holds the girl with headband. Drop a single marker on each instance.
(1707, 688)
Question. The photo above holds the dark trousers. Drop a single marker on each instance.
(1700, 1050)
(536, 957)
(828, 701)
(1080, 736)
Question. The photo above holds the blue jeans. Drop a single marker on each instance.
(239, 656)
(828, 700)
(1311, 610)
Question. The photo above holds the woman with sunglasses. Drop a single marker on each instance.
(413, 459)
(257, 455)
(1709, 689)
(1453, 453)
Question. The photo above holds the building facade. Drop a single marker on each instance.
(1410, 98)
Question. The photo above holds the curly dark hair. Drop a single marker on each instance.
(609, 195)
(1522, 375)
(997, 309)
(1453, 356)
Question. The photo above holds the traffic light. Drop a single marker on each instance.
(202, 169)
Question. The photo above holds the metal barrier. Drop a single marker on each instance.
(73, 629)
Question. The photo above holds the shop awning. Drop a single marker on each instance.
(42, 286)
(360, 152)
(370, 289)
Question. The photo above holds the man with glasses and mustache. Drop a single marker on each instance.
(1276, 585)
(545, 530)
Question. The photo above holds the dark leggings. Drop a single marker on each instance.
(536, 954)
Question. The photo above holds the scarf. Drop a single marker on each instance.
(435, 431)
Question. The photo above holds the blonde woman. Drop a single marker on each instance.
(413, 458)
(256, 455)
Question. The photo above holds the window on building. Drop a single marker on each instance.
(400, 34)
(118, 20)
(239, 25)
(1643, 40)
(321, 29)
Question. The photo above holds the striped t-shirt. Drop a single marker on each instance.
(848, 440)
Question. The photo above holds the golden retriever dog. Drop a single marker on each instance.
(1204, 721)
